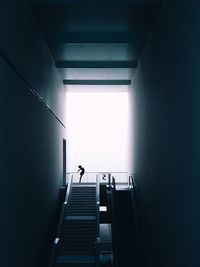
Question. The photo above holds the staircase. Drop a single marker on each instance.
(77, 244)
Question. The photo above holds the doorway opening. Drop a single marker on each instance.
(98, 130)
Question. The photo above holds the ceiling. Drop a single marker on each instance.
(96, 42)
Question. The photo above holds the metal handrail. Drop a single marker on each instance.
(113, 183)
(97, 243)
(131, 181)
(60, 223)
(69, 187)
(96, 172)
(64, 205)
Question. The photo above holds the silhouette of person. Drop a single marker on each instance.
(82, 171)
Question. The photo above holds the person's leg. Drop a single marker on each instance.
(80, 178)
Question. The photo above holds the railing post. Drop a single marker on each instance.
(109, 179)
(113, 183)
(97, 243)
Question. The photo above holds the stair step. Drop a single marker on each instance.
(78, 243)
(82, 205)
(89, 194)
(80, 212)
(77, 240)
(84, 201)
(85, 214)
(84, 191)
(84, 188)
(80, 233)
(78, 192)
(76, 259)
(75, 209)
(80, 218)
(75, 265)
(81, 197)
(80, 223)
(76, 249)
(83, 208)
(79, 229)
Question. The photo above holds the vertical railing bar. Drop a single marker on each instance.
(97, 222)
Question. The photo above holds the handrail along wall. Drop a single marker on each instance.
(60, 224)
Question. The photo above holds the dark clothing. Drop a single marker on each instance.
(82, 171)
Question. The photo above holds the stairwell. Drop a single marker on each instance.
(77, 242)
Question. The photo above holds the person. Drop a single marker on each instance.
(82, 171)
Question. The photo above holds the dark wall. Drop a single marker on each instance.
(23, 43)
(165, 94)
(32, 132)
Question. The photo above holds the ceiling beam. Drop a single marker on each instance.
(95, 36)
(97, 4)
(97, 64)
(96, 82)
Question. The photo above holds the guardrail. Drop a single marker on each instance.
(104, 177)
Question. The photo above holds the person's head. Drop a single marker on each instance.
(79, 166)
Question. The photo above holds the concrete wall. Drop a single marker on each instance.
(166, 96)
(32, 132)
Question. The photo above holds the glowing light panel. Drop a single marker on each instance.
(97, 124)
